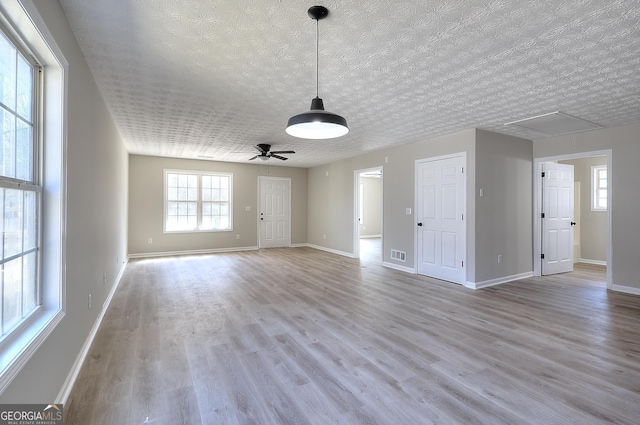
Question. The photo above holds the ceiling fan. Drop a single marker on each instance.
(266, 153)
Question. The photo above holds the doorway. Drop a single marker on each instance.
(368, 206)
(537, 205)
(274, 221)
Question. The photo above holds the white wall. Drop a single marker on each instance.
(624, 176)
(96, 221)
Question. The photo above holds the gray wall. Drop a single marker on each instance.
(331, 195)
(624, 176)
(96, 240)
(593, 224)
(372, 206)
(504, 170)
(502, 164)
(146, 198)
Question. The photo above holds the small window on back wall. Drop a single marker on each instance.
(599, 188)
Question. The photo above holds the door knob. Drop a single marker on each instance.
(420, 224)
(573, 223)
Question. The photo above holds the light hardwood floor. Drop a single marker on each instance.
(300, 336)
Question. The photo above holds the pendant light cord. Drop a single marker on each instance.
(317, 60)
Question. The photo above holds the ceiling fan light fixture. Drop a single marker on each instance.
(317, 123)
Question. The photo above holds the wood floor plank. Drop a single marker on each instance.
(302, 336)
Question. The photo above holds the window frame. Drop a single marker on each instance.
(32, 185)
(199, 201)
(596, 189)
(26, 29)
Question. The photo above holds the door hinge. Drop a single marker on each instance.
(462, 170)
(463, 216)
(543, 174)
(542, 215)
(542, 256)
(463, 264)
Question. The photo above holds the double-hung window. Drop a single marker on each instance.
(20, 190)
(33, 74)
(198, 201)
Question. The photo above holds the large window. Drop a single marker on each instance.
(599, 188)
(33, 74)
(19, 188)
(198, 201)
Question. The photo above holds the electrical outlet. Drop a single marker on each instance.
(89, 301)
(499, 258)
(104, 278)
(324, 236)
(238, 236)
(150, 240)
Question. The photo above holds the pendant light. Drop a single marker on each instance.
(317, 123)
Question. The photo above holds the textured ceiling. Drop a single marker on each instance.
(210, 79)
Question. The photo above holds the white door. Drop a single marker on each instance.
(557, 218)
(275, 212)
(440, 209)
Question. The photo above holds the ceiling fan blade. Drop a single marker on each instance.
(278, 156)
(282, 151)
(251, 159)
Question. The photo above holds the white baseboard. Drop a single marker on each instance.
(595, 262)
(333, 251)
(370, 236)
(399, 267)
(65, 391)
(497, 281)
(626, 289)
(192, 252)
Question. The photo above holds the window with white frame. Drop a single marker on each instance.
(599, 188)
(198, 201)
(19, 188)
(32, 185)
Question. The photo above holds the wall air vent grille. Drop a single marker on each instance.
(398, 255)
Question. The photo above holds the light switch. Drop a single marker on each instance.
(408, 211)
(247, 208)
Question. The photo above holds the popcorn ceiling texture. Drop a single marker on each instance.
(197, 78)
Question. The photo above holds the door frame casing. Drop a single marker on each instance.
(462, 154)
(537, 205)
(260, 179)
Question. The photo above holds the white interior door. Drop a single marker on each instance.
(557, 218)
(275, 212)
(440, 209)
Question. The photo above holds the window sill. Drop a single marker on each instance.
(15, 353)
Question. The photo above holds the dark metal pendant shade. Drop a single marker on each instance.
(317, 123)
